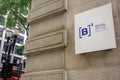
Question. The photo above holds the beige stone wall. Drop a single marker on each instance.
(50, 48)
(101, 65)
(100, 58)
(101, 73)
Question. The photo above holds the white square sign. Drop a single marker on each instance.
(94, 30)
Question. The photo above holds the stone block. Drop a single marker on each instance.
(47, 41)
(46, 26)
(73, 4)
(45, 60)
(101, 73)
(45, 8)
(38, 3)
(47, 75)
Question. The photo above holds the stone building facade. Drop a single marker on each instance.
(50, 48)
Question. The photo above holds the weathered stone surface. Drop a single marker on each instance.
(47, 26)
(101, 73)
(118, 5)
(47, 41)
(97, 3)
(101, 58)
(46, 75)
(117, 25)
(72, 4)
(45, 8)
(38, 3)
(119, 8)
(46, 60)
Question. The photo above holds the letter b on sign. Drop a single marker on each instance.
(84, 32)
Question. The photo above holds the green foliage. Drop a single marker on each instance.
(2, 20)
(16, 11)
(19, 50)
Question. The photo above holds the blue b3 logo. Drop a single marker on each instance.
(85, 31)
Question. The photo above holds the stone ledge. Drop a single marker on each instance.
(46, 9)
(47, 41)
(47, 75)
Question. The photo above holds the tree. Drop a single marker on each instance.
(15, 13)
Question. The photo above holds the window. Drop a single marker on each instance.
(15, 48)
(19, 50)
(1, 32)
(20, 39)
(15, 60)
(5, 36)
